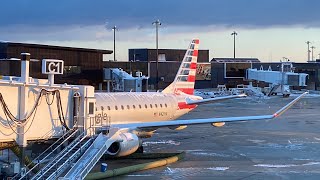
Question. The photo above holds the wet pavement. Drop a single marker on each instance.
(283, 148)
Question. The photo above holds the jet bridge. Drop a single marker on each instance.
(38, 110)
(279, 81)
(121, 81)
(28, 103)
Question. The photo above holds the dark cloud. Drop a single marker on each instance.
(141, 13)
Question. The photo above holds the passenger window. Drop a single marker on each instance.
(109, 108)
(133, 106)
(146, 106)
(150, 105)
(122, 107)
(165, 105)
(161, 105)
(140, 106)
(128, 107)
(116, 107)
(156, 105)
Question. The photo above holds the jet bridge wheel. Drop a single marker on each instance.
(286, 95)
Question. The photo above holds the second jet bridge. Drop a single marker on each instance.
(280, 81)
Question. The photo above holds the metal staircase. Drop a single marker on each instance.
(65, 158)
(47, 154)
(273, 89)
(79, 156)
(93, 154)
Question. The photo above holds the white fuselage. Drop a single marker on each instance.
(133, 107)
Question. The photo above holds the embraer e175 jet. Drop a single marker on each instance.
(138, 115)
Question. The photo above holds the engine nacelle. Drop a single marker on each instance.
(218, 124)
(177, 127)
(129, 144)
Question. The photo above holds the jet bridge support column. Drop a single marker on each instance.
(23, 103)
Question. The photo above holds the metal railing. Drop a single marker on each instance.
(62, 154)
(51, 148)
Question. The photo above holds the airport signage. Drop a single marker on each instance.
(52, 66)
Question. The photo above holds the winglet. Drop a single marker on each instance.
(286, 107)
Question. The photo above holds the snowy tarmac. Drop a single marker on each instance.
(283, 148)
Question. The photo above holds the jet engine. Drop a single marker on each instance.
(218, 124)
(128, 143)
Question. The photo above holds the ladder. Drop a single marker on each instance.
(48, 153)
(93, 154)
(65, 158)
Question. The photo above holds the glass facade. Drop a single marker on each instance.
(236, 70)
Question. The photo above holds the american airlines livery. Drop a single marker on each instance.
(138, 115)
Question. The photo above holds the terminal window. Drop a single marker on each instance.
(236, 70)
(72, 69)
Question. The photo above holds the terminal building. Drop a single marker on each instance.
(81, 65)
(148, 55)
(86, 66)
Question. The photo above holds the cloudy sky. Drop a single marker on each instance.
(267, 29)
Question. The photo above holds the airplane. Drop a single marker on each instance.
(138, 115)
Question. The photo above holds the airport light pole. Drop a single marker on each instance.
(114, 42)
(312, 47)
(157, 23)
(308, 43)
(234, 34)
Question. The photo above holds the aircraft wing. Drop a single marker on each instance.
(210, 100)
(155, 125)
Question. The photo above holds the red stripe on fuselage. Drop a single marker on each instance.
(184, 105)
(196, 41)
